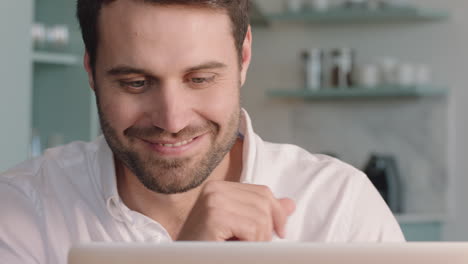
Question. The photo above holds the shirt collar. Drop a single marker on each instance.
(104, 171)
(249, 148)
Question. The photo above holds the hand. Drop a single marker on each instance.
(235, 211)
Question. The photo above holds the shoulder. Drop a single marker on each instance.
(47, 172)
(22, 235)
(337, 202)
(285, 161)
(39, 225)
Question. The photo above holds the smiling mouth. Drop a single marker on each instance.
(175, 145)
(168, 144)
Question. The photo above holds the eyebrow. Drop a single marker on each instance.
(126, 70)
(207, 66)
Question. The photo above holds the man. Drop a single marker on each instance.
(179, 159)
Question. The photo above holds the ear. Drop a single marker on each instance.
(89, 70)
(246, 55)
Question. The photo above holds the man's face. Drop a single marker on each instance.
(167, 80)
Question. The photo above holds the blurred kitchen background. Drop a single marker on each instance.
(379, 84)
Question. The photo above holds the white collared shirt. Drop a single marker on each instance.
(69, 196)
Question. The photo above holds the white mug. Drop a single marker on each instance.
(388, 67)
(368, 76)
(399, 3)
(294, 5)
(405, 75)
(422, 75)
(38, 34)
(319, 5)
(58, 35)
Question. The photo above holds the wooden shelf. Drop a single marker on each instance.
(418, 218)
(359, 93)
(422, 228)
(55, 58)
(361, 15)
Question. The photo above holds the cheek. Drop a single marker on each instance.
(219, 104)
(121, 112)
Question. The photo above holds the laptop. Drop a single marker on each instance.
(270, 253)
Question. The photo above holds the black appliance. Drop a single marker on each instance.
(383, 172)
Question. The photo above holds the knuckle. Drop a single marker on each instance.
(265, 204)
(265, 212)
(213, 200)
(265, 191)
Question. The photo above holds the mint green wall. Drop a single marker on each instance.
(424, 231)
(51, 98)
(61, 95)
(15, 73)
(61, 102)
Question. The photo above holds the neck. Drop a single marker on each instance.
(172, 210)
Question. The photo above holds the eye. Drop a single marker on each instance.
(201, 79)
(135, 85)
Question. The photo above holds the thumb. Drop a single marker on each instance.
(288, 205)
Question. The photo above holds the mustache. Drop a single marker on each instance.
(155, 132)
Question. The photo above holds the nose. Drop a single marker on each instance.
(171, 107)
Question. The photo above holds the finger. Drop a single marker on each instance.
(279, 213)
(260, 226)
(241, 229)
(240, 204)
(253, 206)
(254, 195)
(261, 197)
(245, 223)
(288, 205)
(287, 208)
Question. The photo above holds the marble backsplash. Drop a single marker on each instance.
(413, 130)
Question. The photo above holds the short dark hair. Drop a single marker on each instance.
(88, 13)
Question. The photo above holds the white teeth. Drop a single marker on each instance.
(176, 144)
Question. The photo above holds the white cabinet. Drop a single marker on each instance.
(15, 86)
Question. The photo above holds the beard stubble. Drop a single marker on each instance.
(175, 175)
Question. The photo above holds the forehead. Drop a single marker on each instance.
(145, 11)
(129, 28)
